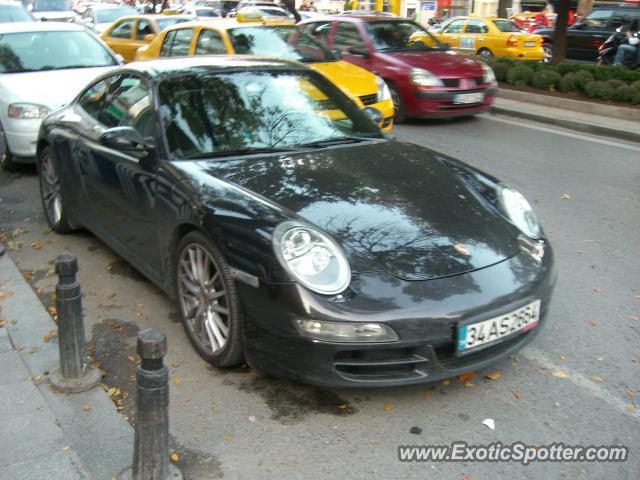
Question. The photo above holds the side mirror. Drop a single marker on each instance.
(149, 38)
(374, 114)
(126, 139)
(360, 51)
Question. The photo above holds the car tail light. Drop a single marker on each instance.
(512, 41)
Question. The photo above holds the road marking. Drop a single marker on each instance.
(537, 356)
(560, 131)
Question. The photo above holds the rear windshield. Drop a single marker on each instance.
(14, 13)
(507, 26)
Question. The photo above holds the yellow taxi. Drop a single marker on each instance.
(498, 37)
(272, 39)
(127, 34)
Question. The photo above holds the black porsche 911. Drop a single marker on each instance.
(293, 235)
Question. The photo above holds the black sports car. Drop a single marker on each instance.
(292, 233)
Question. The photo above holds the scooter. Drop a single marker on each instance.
(607, 51)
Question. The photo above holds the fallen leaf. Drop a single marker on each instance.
(630, 407)
(86, 408)
(517, 394)
(493, 375)
(600, 359)
(466, 376)
(66, 448)
(634, 317)
(174, 457)
(597, 290)
(559, 374)
(565, 196)
(252, 419)
(596, 378)
(588, 241)
(630, 393)
(563, 357)
(139, 305)
(468, 384)
(489, 423)
(462, 249)
(131, 358)
(388, 407)
(2, 322)
(426, 393)
(36, 245)
(28, 276)
(177, 381)
(343, 406)
(32, 350)
(374, 442)
(592, 323)
(227, 438)
(6, 294)
(580, 251)
(113, 392)
(49, 335)
(446, 382)
(467, 477)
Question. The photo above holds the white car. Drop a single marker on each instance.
(53, 10)
(201, 13)
(42, 67)
(100, 17)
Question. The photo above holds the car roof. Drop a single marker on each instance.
(225, 24)
(217, 63)
(19, 27)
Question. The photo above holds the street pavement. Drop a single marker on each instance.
(578, 383)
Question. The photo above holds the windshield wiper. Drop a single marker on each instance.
(239, 151)
(327, 142)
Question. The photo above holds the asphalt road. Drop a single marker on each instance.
(578, 383)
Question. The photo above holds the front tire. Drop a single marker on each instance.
(208, 301)
(548, 52)
(399, 110)
(55, 209)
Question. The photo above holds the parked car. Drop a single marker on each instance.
(587, 34)
(12, 11)
(53, 10)
(280, 41)
(42, 67)
(128, 34)
(99, 17)
(426, 79)
(293, 235)
(490, 37)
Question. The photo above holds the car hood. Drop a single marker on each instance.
(391, 205)
(351, 79)
(61, 85)
(446, 64)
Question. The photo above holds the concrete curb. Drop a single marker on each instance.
(101, 438)
(569, 124)
(611, 111)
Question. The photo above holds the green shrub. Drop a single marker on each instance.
(575, 81)
(583, 77)
(626, 93)
(535, 66)
(519, 75)
(615, 83)
(545, 79)
(565, 68)
(636, 85)
(600, 89)
(500, 70)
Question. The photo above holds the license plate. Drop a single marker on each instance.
(496, 329)
(464, 98)
(529, 44)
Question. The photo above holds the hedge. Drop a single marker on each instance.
(609, 82)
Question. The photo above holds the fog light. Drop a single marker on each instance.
(346, 332)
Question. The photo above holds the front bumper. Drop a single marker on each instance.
(22, 138)
(425, 315)
(439, 103)
(528, 53)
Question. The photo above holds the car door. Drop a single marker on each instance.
(142, 32)
(177, 43)
(119, 38)
(450, 32)
(474, 37)
(120, 185)
(210, 42)
(583, 38)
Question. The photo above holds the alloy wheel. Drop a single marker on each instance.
(203, 298)
(51, 191)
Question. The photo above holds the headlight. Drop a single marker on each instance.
(383, 90)
(487, 74)
(424, 78)
(519, 211)
(312, 257)
(346, 332)
(27, 111)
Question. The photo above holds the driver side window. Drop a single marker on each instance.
(122, 30)
(347, 36)
(454, 27)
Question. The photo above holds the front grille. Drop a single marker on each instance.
(380, 365)
(369, 99)
(451, 82)
(386, 122)
(478, 80)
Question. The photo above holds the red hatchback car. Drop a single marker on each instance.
(425, 78)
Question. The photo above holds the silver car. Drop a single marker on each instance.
(42, 67)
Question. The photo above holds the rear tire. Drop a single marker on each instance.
(485, 52)
(53, 204)
(399, 111)
(208, 301)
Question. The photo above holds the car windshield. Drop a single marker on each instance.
(14, 13)
(39, 51)
(167, 22)
(286, 42)
(393, 35)
(110, 15)
(51, 6)
(507, 26)
(218, 114)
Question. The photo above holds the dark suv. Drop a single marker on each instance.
(585, 36)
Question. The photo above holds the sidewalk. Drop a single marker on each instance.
(594, 118)
(44, 434)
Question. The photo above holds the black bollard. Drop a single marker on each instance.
(151, 443)
(75, 374)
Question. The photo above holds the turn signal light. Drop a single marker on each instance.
(512, 41)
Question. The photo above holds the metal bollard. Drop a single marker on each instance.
(74, 374)
(151, 444)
